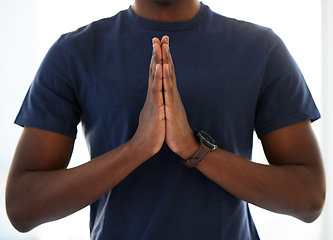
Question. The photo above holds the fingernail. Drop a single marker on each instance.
(153, 40)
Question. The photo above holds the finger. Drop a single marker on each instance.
(165, 40)
(157, 83)
(165, 51)
(165, 48)
(166, 58)
(156, 40)
(155, 59)
(167, 85)
(157, 51)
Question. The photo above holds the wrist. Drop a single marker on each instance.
(206, 144)
(189, 149)
(140, 149)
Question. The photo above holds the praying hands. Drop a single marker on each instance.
(163, 117)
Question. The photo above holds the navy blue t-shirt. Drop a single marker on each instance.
(234, 78)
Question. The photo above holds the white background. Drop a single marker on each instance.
(29, 28)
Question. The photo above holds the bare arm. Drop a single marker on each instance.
(293, 183)
(40, 188)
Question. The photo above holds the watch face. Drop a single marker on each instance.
(206, 139)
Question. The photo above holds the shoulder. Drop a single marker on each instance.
(97, 27)
(241, 30)
(93, 33)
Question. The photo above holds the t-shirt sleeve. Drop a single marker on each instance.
(51, 102)
(284, 97)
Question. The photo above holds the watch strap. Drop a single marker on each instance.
(198, 155)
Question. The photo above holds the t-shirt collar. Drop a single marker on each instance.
(168, 26)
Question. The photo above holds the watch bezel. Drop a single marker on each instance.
(206, 139)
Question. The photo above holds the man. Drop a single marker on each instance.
(226, 77)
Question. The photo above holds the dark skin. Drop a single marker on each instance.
(40, 188)
(166, 10)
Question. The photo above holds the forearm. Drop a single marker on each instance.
(287, 189)
(290, 186)
(41, 189)
(36, 197)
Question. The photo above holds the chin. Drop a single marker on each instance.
(163, 2)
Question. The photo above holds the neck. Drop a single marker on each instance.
(166, 10)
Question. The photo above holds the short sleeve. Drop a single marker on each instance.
(284, 97)
(51, 102)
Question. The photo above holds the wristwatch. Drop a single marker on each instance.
(207, 144)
